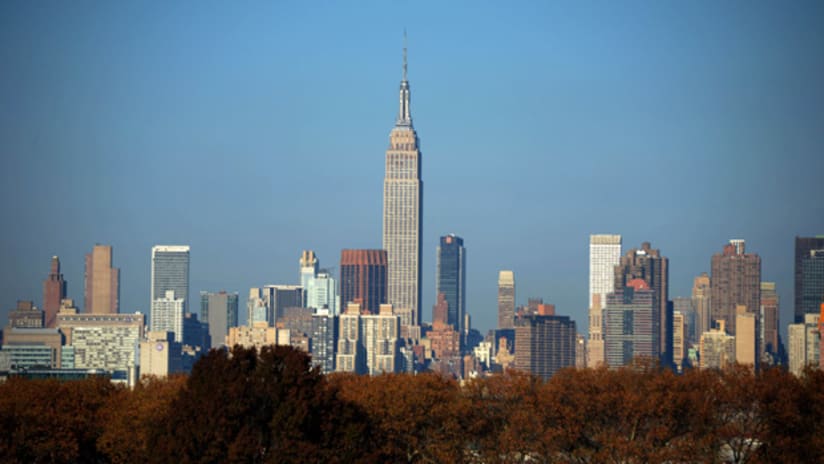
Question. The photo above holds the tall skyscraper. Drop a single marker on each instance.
(363, 278)
(769, 320)
(54, 291)
(102, 292)
(809, 285)
(604, 255)
(450, 279)
(653, 268)
(219, 310)
(736, 280)
(701, 303)
(170, 271)
(506, 300)
(402, 213)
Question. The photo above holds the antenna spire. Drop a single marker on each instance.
(404, 54)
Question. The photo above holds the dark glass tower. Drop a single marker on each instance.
(450, 279)
(809, 279)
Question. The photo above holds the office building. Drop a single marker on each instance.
(604, 255)
(363, 278)
(54, 291)
(506, 300)
(684, 306)
(701, 301)
(160, 355)
(258, 335)
(256, 310)
(196, 333)
(769, 342)
(736, 280)
(170, 271)
(102, 291)
(103, 341)
(167, 315)
(381, 336)
(631, 324)
(351, 356)
(545, 344)
(444, 340)
(717, 347)
(322, 293)
(27, 347)
(649, 265)
(450, 279)
(809, 275)
(402, 214)
(280, 297)
(219, 311)
(679, 339)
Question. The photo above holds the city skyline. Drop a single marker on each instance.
(684, 119)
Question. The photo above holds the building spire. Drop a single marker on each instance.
(404, 114)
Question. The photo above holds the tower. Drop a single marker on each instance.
(736, 280)
(170, 271)
(308, 267)
(506, 300)
(450, 279)
(102, 292)
(809, 282)
(54, 291)
(363, 279)
(604, 255)
(402, 211)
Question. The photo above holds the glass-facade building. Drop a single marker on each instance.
(170, 271)
(450, 279)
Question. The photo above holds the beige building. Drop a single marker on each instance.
(595, 345)
(679, 341)
(102, 292)
(701, 303)
(402, 213)
(506, 300)
(804, 344)
(746, 337)
(33, 346)
(103, 341)
(160, 355)
(350, 357)
(604, 255)
(257, 336)
(717, 348)
(380, 339)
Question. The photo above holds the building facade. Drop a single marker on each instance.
(545, 344)
(167, 315)
(364, 278)
(102, 290)
(804, 343)
(701, 302)
(219, 310)
(450, 279)
(604, 255)
(769, 339)
(631, 324)
(403, 213)
(717, 348)
(736, 280)
(103, 341)
(279, 297)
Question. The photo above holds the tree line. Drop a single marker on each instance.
(243, 406)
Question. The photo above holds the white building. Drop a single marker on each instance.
(380, 339)
(167, 315)
(322, 293)
(604, 255)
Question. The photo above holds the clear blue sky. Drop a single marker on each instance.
(253, 131)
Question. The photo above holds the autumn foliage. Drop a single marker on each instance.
(271, 406)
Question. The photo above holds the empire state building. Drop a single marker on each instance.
(402, 208)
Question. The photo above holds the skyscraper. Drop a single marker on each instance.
(653, 268)
(167, 315)
(631, 324)
(170, 271)
(806, 295)
(506, 300)
(54, 291)
(363, 278)
(219, 310)
(102, 292)
(701, 303)
(402, 212)
(308, 267)
(544, 344)
(604, 255)
(736, 280)
(450, 279)
(769, 319)
(280, 297)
